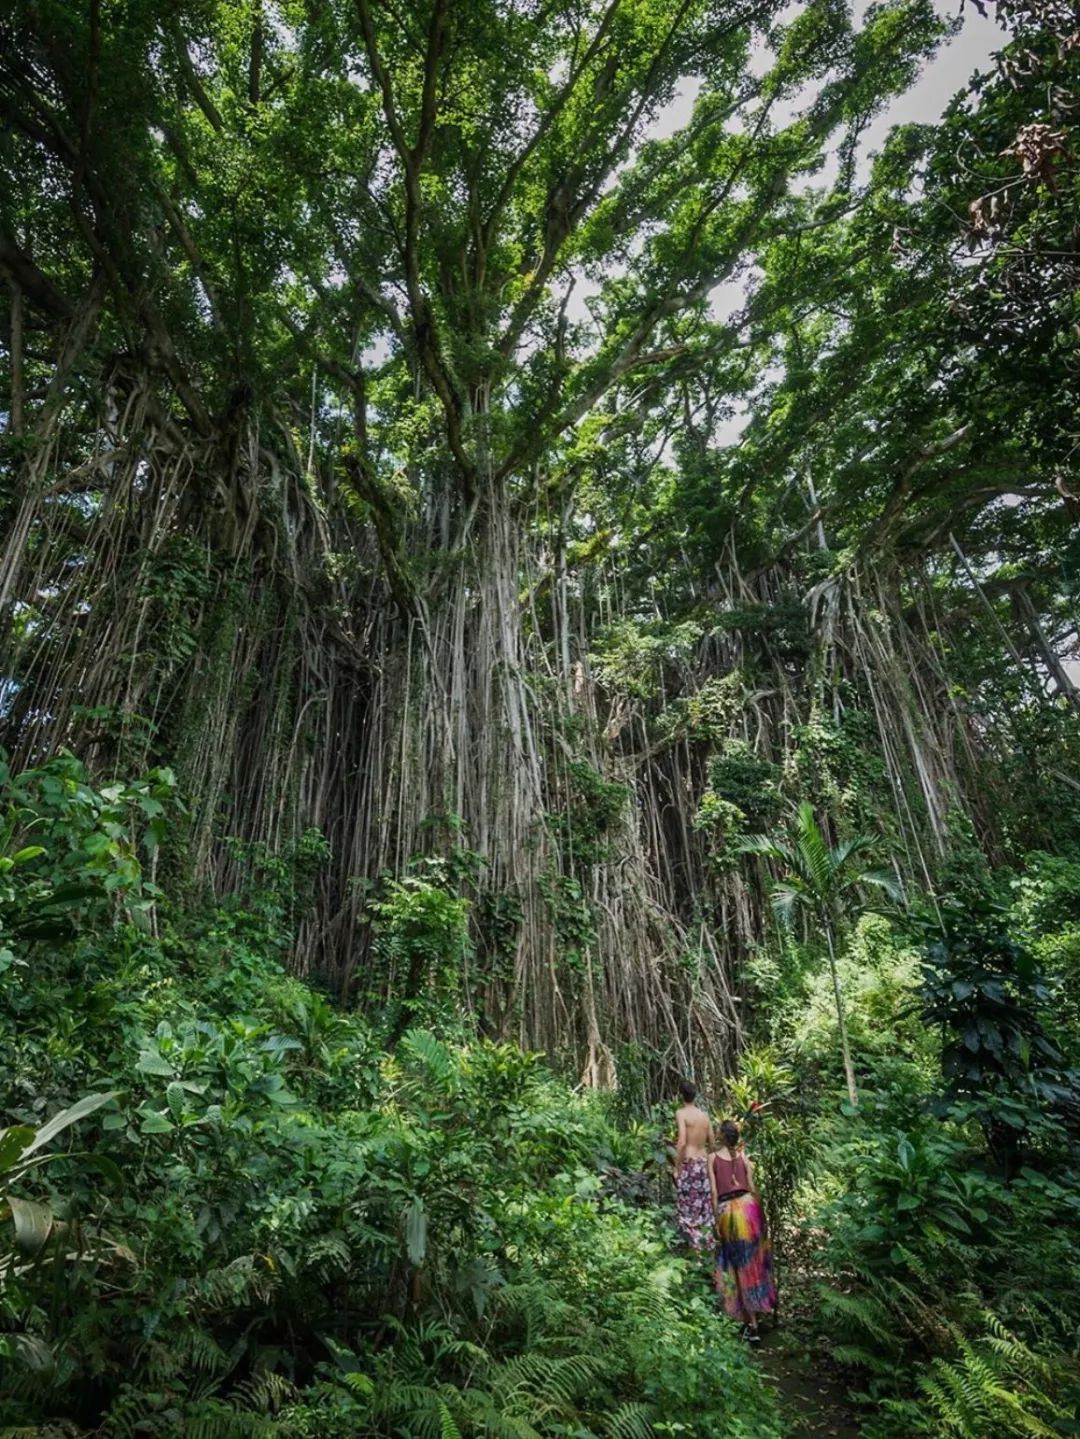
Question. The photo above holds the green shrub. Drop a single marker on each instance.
(275, 1225)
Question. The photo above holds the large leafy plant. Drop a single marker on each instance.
(824, 881)
(983, 990)
(40, 1236)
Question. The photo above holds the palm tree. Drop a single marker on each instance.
(824, 880)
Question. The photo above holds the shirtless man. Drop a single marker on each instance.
(695, 1139)
(693, 1195)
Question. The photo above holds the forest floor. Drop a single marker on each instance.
(812, 1393)
(813, 1396)
(813, 1399)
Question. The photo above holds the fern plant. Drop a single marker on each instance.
(995, 1385)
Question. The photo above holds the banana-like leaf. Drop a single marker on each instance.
(416, 1231)
(33, 1224)
(59, 1122)
(13, 1145)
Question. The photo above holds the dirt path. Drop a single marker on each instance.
(812, 1399)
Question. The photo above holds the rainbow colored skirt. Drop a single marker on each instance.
(744, 1266)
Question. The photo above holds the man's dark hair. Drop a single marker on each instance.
(688, 1090)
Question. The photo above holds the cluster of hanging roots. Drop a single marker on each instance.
(216, 604)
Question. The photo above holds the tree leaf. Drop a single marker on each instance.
(59, 1122)
(151, 1062)
(416, 1231)
(106, 1167)
(33, 1225)
(13, 1144)
(27, 853)
(174, 1097)
(156, 1123)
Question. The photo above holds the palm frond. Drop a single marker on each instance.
(815, 855)
(768, 847)
(785, 898)
(849, 848)
(886, 880)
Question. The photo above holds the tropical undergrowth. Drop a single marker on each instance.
(936, 1222)
(230, 1209)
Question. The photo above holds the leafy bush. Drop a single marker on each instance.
(422, 943)
(940, 1277)
(985, 993)
(947, 1277)
(272, 1224)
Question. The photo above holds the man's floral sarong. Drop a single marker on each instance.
(694, 1202)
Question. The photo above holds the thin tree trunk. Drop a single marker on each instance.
(15, 419)
(845, 1048)
(1030, 615)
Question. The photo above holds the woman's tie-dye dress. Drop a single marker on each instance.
(744, 1267)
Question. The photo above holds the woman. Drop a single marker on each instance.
(695, 1139)
(744, 1255)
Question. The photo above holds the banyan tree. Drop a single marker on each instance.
(369, 455)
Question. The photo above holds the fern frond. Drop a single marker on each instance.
(862, 1315)
(496, 1424)
(533, 1382)
(193, 1348)
(535, 1304)
(432, 1056)
(989, 1387)
(858, 1356)
(328, 1255)
(630, 1421)
(265, 1392)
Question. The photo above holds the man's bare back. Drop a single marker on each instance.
(695, 1137)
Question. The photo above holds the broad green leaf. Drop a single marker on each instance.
(106, 1167)
(151, 1062)
(29, 852)
(156, 1123)
(416, 1231)
(13, 1144)
(174, 1097)
(59, 1122)
(33, 1224)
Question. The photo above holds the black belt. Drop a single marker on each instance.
(732, 1194)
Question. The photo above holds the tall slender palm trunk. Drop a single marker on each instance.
(845, 1048)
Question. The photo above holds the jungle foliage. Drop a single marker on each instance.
(500, 503)
(248, 1217)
